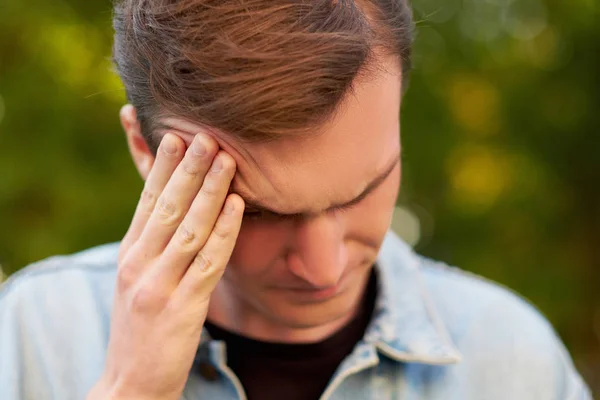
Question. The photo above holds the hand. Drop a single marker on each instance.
(174, 253)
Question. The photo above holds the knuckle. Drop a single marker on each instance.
(201, 261)
(222, 231)
(126, 275)
(209, 189)
(167, 211)
(190, 167)
(148, 199)
(187, 236)
(147, 299)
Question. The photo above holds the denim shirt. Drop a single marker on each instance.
(437, 333)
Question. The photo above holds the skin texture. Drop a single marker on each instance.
(172, 256)
(300, 278)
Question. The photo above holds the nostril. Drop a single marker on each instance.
(318, 272)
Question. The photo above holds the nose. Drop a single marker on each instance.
(319, 255)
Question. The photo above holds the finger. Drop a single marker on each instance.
(168, 156)
(175, 200)
(209, 263)
(199, 222)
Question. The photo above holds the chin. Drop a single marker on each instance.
(305, 316)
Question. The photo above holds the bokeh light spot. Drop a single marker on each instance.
(407, 225)
(474, 105)
(478, 177)
(525, 19)
(481, 20)
(548, 50)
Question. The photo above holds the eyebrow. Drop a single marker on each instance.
(256, 207)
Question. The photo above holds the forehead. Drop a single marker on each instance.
(299, 174)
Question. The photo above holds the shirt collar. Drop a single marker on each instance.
(406, 326)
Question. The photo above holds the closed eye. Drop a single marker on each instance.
(258, 215)
(261, 215)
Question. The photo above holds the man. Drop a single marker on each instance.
(258, 263)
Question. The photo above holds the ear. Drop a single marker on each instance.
(140, 153)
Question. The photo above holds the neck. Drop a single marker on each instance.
(237, 315)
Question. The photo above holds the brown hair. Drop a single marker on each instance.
(255, 69)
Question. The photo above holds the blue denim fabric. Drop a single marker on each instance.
(437, 333)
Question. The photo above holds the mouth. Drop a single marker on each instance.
(314, 294)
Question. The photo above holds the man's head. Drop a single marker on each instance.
(305, 96)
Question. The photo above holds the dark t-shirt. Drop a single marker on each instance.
(275, 371)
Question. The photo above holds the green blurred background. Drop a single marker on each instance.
(500, 130)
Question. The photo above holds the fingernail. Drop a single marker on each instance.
(169, 145)
(217, 165)
(198, 147)
(228, 210)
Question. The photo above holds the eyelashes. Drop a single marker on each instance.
(267, 216)
(345, 207)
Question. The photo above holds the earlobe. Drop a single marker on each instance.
(138, 148)
(141, 154)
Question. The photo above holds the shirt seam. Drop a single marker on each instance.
(434, 315)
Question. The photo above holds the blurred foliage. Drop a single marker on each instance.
(500, 134)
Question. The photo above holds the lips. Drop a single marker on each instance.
(303, 289)
(316, 294)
